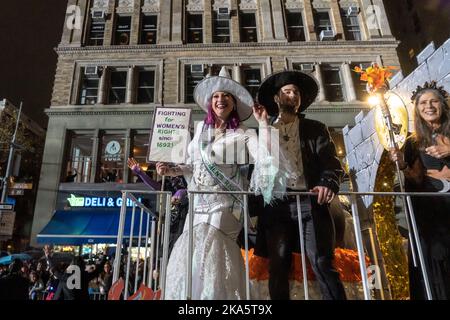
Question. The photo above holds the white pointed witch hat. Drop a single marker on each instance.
(205, 89)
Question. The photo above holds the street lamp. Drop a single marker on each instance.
(12, 148)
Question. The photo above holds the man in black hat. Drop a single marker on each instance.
(313, 166)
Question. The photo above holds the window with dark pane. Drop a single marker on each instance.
(332, 83)
(88, 87)
(96, 32)
(194, 28)
(149, 29)
(221, 31)
(322, 21)
(118, 87)
(193, 77)
(79, 160)
(251, 78)
(360, 86)
(139, 149)
(351, 25)
(296, 30)
(248, 27)
(123, 30)
(146, 86)
(112, 158)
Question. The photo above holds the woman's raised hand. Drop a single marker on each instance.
(163, 169)
(133, 164)
(260, 113)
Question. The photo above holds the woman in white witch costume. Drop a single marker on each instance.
(216, 156)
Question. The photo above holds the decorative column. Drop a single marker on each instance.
(135, 10)
(66, 37)
(234, 22)
(237, 73)
(266, 20)
(127, 151)
(349, 85)
(207, 22)
(383, 20)
(131, 85)
(278, 20)
(337, 19)
(177, 26)
(95, 156)
(102, 86)
(110, 21)
(164, 27)
(309, 23)
(318, 75)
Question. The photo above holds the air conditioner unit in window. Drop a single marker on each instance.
(326, 35)
(197, 68)
(98, 14)
(91, 71)
(223, 13)
(307, 67)
(352, 10)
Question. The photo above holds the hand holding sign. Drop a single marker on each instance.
(170, 136)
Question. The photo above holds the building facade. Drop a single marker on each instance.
(417, 23)
(24, 174)
(118, 60)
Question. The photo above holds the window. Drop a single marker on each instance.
(360, 86)
(221, 28)
(118, 87)
(322, 21)
(192, 77)
(351, 26)
(146, 86)
(194, 28)
(139, 149)
(333, 83)
(304, 67)
(248, 27)
(79, 159)
(123, 29)
(295, 26)
(89, 86)
(112, 158)
(96, 32)
(251, 79)
(148, 31)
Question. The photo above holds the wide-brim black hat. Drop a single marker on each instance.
(306, 84)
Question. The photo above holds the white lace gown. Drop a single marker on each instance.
(218, 266)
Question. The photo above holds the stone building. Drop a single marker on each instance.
(119, 59)
(417, 23)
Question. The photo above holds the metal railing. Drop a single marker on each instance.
(163, 235)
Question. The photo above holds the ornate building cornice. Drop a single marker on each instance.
(248, 5)
(151, 6)
(125, 6)
(101, 5)
(245, 46)
(195, 6)
(294, 4)
(81, 110)
(221, 4)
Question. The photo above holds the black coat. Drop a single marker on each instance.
(321, 167)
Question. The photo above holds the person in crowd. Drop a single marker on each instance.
(71, 175)
(36, 286)
(105, 279)
(314, 167)
(425, 162)
(178, 187)
(14, 286)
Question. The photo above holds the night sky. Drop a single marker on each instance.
(29, 32)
